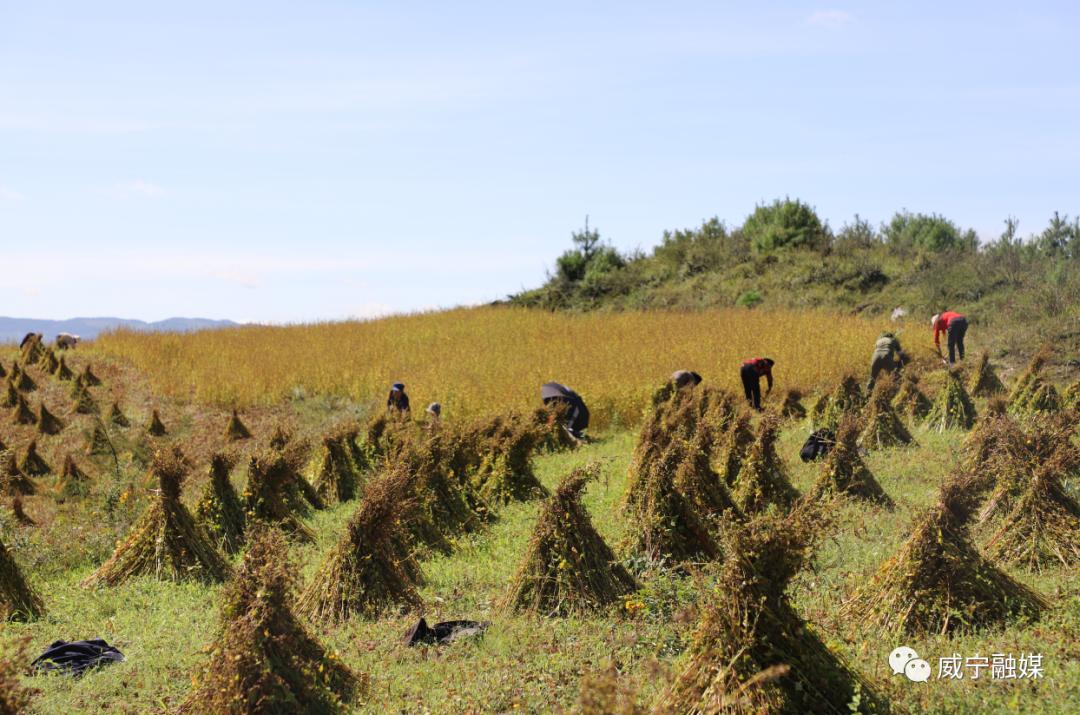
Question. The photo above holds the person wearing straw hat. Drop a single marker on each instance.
(398, 401)
(954, 325)
(434, 412)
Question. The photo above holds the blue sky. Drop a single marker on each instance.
(282, 161)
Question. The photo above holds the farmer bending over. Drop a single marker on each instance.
(685, 378)
(751, 373)
(398, 401)
(887, 356)
(954, 326)
(576, 419)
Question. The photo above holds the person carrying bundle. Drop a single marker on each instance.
(751, 374)
(398, 402)
(887, 356)
(577, 414)
(954, 325)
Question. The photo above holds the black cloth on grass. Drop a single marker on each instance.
(443, 632)
(76, 657)
(817, 445)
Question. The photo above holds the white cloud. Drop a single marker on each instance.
(139, 188)
(11, 196)
(830, 18)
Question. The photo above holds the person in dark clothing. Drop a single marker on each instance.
(751, 373)
(577, 414)
(398, 401)
(954, 325)
(887, 356)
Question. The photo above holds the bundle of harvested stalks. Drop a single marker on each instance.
(22, 414)
(98, 442)
(995, 447)
(365, 575)
(273, 494)
(445, 506)
(21, 380)
(18, 601)
(73, 481)
(15, 696)
(361, 455)
(338, 479)
(10, 397)
(505, 472)
(1041, 397)
(984, 381)
(752, 652)
(793, 407)
(12, 480)
(845, 399)
(282, 436)
(883, 426)
(263, 660)
(33, 464)
(84, 403)
(732, 448)
(88, 377)
(567, 567)
(48, 362)
(680, 417)
(62, 371)
(1023, 383)
(156, 428)
(667, 509)
(763, 479)
(219, 510)
(32, 349)
(1032, 393)
(1043, 529)
(235, 429)
(844, 471)
(47, 422)
(953, 407)
(117, 417)
(938, 582)
(1070, 400)
(165, 542)
(910, 401)
(1017, 457)
(19, 514)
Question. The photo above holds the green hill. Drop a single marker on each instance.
(1022, 292)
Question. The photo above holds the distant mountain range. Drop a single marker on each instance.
(13, 329)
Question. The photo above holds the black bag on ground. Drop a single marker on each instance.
(76, 657)
(444, 632)
(817, 445)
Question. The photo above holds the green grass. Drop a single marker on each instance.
(535, 664)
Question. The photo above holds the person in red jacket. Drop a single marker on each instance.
(954, 325)
(751, 373)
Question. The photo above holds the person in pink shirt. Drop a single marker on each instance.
(954, 325)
